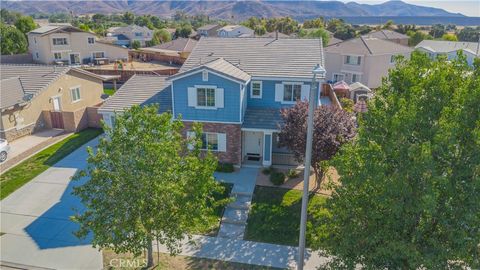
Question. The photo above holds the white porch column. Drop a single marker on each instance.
(267, 149)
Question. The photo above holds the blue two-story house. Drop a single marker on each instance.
(236, 88)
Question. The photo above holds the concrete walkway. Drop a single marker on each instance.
(27, 146)
(234, 220)
(35, 220)
(235, 250)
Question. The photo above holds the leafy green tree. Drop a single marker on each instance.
(450, 37)
(157, 23)
(363, 30)
(183, 31)
(314, 23)
(318, 33)
(417, 37)
(409, 189)
(84, 27)
(144, 21)
(25, 24)
(163, 35)
(404, 28)
(347, 104)
(469, 34)
(128, 17)
(333, 24)
(9, 17)
(437, 31)
(143, 184)
(100, 18)
(154, 41)
(136, 45)
(388, 25)
(260, 30)
(12, 40)
(344, 32)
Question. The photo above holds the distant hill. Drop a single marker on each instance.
(231, 10)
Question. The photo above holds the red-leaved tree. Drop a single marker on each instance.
(332, 127)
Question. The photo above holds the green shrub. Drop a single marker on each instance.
(225, 167)
(268, 170)
(277, 178)
(292, 173)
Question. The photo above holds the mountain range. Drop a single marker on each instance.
(230, 10)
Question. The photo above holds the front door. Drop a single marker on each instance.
(74, 58)
(253, 143)
(56, 104)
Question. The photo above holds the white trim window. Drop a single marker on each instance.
(205, 97)
(337, 77)
(75, 92)
(59, 41)
(211, 141)
(353, 60)
(292, 92)
(205, 76)
(90, 40)
(256, 89)
(355, 77)
(96, 55)
(57, 55)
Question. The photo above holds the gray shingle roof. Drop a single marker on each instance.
(366, 45)
(440, 46)
(262, 118)
(178, 45)
(387, 34)
(141, 90)
(36, 78)
(260, 57)
(11, 92)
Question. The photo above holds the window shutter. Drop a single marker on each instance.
(279, 92)
(190, 135)
(219, 97)
(192, 96)
(222, 142)
(305, 92)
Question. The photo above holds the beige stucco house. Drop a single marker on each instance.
(132, 32)
(35, 97)
(70, 45)
(364, 59)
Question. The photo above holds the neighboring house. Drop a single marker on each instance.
(230, 31)
(235, 88)
(435, 48)
(118, 39)
(70, 45)
(34, 97)
(174, 52)
(390, 36)
(362, 59)
(209, 30)
(133, 33)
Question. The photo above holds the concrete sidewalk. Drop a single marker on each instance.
(235, 250)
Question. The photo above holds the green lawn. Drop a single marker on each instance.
(275, 216)
(28, 169)
(213, 224)
(109, 91)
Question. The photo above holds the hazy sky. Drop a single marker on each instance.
(466, 7)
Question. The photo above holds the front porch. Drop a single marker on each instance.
(261, 148)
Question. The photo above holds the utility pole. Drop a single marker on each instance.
(312, 103)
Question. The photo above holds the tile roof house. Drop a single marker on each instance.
(32, 95)
(209, 30)
(70, 45)
(229, 31)
(132, 33)
(450, 48)
(235, 87)
(362, 59)
(390, 36)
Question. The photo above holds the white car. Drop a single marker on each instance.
(4, 148)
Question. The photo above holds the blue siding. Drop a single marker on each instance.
(231, 110)
(245, 101)
(268, 96)
(267, 151)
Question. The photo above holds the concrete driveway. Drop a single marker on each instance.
(36, 225)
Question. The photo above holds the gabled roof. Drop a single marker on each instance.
(220, 66)
(367, 45)
(387, 34)
(230, 27)
(11, 92)
(140, 90)
(129, 28)
(208, 27)
(55, 28)
(441, 46)
(178, 45)
(260, 57)
(36, 78)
